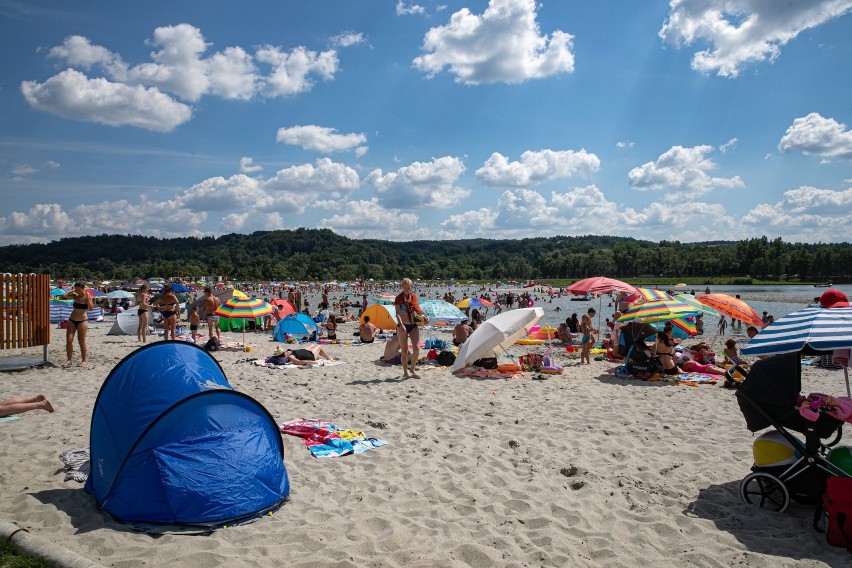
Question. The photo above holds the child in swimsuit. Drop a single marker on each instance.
(194, 320)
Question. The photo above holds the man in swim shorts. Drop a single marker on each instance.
(211, 304)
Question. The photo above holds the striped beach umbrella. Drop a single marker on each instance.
(658, 310)
(681, 327)
(690, 299)
(732, 307)
(814, 329)
(647, 295)
(810, 329)
(473, 303)
(248, 308)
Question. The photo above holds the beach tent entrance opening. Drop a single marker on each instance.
(172, 443)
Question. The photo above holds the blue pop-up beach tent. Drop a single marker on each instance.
(173, 443)
(295, 325)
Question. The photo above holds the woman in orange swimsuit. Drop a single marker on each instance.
(78, 322)
(407, 306)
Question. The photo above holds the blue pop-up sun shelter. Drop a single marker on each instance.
(173, 443)
(295, 325)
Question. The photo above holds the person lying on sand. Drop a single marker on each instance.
(307, 355)
(23, 404)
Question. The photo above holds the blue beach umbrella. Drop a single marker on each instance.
(441, 311)
(180, 288)
(810, 330)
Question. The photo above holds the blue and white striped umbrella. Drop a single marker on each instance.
(820, 329)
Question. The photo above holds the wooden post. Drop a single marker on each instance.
(25, 311)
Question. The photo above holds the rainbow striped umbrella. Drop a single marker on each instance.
(682, 327)
(658, 310)
(473, 303)
(248, 308)
(647, 295)
(690, 299)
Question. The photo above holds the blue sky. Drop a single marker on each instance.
(691, 119)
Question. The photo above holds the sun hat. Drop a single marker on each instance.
(278, 352)
(833, 298)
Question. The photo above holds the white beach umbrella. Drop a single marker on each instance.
(498, 332)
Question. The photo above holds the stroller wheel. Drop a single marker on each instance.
(766, 491)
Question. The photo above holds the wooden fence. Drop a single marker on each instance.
(25, 311)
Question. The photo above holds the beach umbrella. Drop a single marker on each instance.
(600, 285)
(732, 307)
(384, 298)
(441, 311)
(647, 295)
(248, 308)
(94, 293)
(498, 332)
(239, 294)
(474, 303)
(58, 292)
(119, 294)
(179, 288)
(810, 330)
(690, 299)
(682, 328)
(658, 310)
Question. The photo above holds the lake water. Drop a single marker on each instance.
(777, 301)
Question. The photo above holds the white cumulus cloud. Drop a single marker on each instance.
(71, 94)
(814, 135)
(536, 167)
(348, 39)
(319, 138)
(503, 44)
(743, 31)
(403, 9)
(683, 170)
(807, 214)
(421, 184)
(367, 219)
(144, 95)
(247, 166)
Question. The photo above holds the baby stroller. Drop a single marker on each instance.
(637, 356)
(767, 397)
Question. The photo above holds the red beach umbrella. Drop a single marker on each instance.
(600, 285)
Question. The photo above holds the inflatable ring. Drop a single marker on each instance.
(552, 370)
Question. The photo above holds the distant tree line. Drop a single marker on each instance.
(320, 254)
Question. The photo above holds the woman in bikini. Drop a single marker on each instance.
(142, 307)
(407, 306)
(665, 353)
(169, 308)
(78, 322)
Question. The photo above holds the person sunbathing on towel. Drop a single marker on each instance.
(22, 404)
(307, 355)
(685, 362)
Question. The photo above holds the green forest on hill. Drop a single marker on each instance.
(320, 254)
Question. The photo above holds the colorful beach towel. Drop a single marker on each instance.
(473, 371)
(327, 440)
(689, 379)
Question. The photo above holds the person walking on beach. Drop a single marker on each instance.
(723, 325)
(142, 307)
(78, 322)
(21, 404)
(407, 306)
(194, 320)
(211, 304)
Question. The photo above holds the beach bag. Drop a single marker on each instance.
(531, 362)
(212, 344)
(486, 363)
(837, 512)
(446, 358)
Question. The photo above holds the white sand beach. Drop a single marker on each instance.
(581, 469)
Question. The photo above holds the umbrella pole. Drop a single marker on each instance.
(846, 374)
